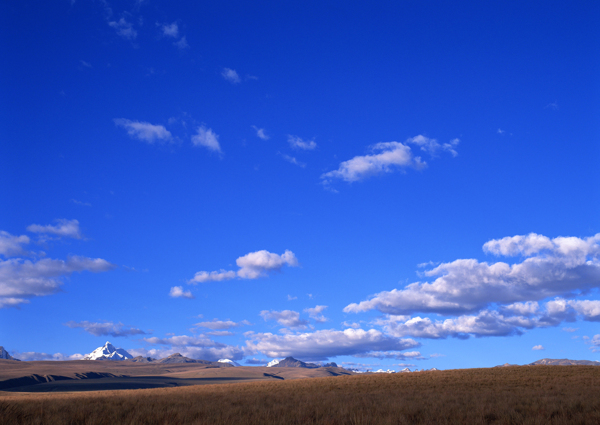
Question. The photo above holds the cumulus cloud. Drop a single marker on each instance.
(63, 228)
(207, 138)
(258, 264)
(196, 347)
(298, 143)
(260, 133)
(124, 29)
(178, 292)
(486, 323)
(538, 347)
(322, 344)
(287, 318)
(387, 157)
(251, 266)
(105, 328)
(231, 76)
(33, 356)
(22, 279)
(567, 266)
(315, 313)
(216, 324)
(11, 246)
(144, 131)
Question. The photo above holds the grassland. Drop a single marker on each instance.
(511, 395)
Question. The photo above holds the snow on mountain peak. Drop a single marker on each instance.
(231, 362)
(273, 363)
(108, 352)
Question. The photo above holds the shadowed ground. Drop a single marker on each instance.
(92, 375)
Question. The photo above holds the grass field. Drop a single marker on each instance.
(511, 395)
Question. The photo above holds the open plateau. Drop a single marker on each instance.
(111, 386)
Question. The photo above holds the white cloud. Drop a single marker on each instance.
(33, 356)
(105, 329)
(287, 318)
(390, 156)
(398, 355)
(11, 246)
(197, 347)
(64, 228)
(466, 285)
(222, 324)
(290, 298)
(259, 263)
(124, 29)
(22, 279)
(432, 147)
(170, 30)
(293, 160)
(315, 313)
(320, 345)
(231, 76)
(570, 329)
(201, 277)
(145, 131)
(178, 292)
(260, 133)
(207, 138)
(182, 44)
(86, 64)
(486, 323)
(297, 143)
(538, 347)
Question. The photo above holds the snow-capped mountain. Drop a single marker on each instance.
(272, 363)
(4, 354)
(108, 352)
(231, 362)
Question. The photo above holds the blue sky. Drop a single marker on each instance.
(382, 185)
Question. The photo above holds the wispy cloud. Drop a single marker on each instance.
(86, 64)
(124, 29)
(207, 138)
(293, 160)
(216, 324)
(182, 43)
(260, 133)
(315, 313)
(105, 328)
(63, 228)
(288, 318)
(251, 266)
(149, 133)
(195, 347)
(231, 75)
(298, 143)
(169, 30)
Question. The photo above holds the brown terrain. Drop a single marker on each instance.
(96, 375)
(507, 395)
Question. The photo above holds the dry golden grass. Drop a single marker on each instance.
(513, 395)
